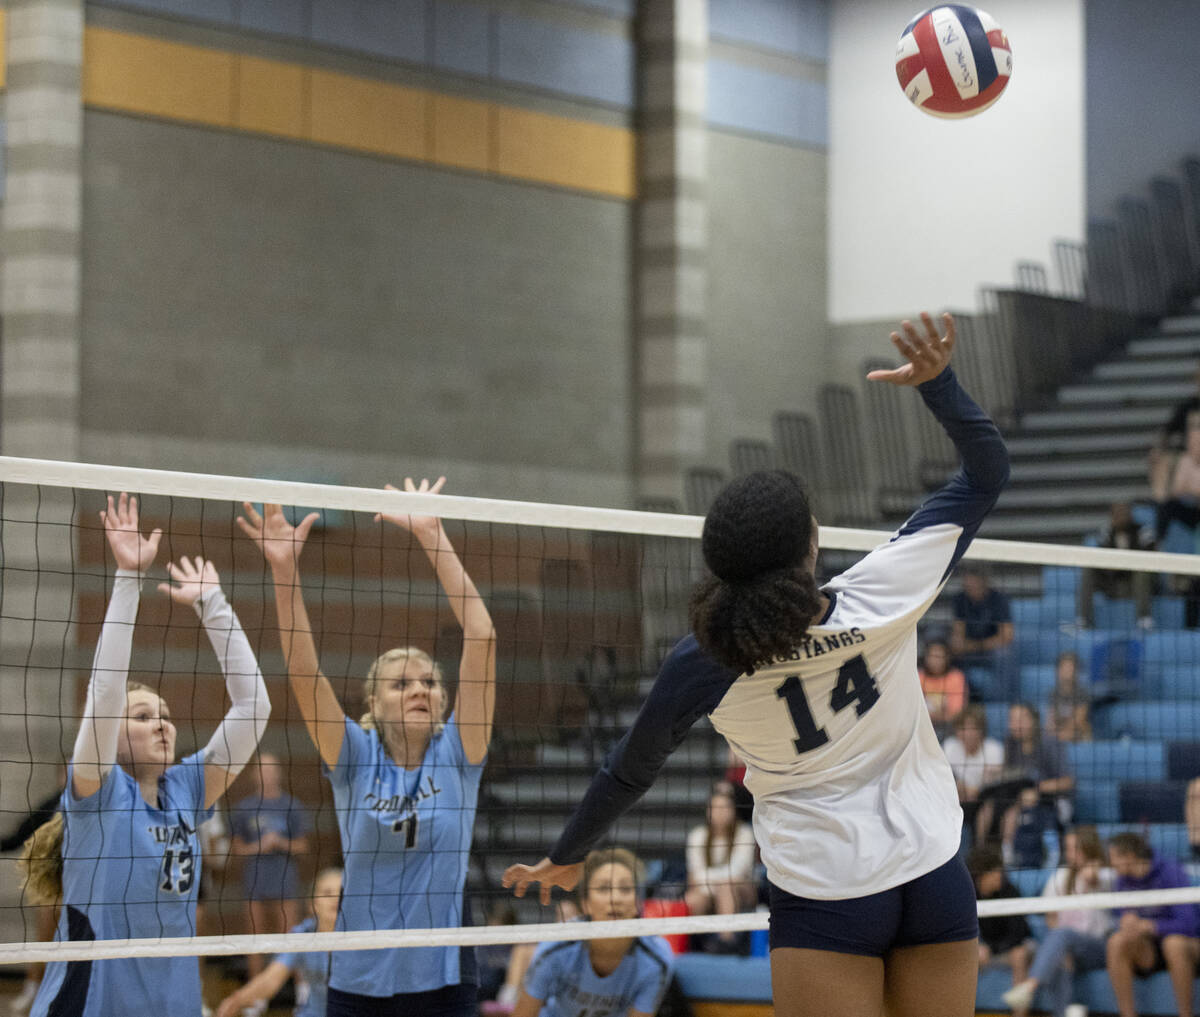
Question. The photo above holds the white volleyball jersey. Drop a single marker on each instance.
(853, 794)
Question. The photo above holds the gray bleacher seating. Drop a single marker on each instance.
(746, 455)
(847, 495)
(701, 484)
(797, 445)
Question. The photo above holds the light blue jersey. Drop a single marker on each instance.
(562, 977)
(130, 871)
(311, 973)
(406, 838)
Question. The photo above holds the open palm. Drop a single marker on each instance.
(424, 528)
(192, 579)
(131, 550)
(279, 541)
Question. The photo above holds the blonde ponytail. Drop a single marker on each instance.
(42, 862)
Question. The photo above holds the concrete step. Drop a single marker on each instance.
(1108, 394)
(1135, 440)
(1156, 369)
(1092, 420)
(1073, 496)
(1189, 323)
(1062, 528)
(1109, 468)
(1165, 346)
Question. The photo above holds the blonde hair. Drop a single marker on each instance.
(402, 655)
(42, 854)
(42, 862)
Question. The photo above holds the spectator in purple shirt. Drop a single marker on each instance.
(1150, 939)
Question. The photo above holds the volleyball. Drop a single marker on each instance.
(953, 61)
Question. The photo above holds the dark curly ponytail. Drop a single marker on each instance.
(762, 596)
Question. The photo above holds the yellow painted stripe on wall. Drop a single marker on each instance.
(138, 74)
(3, 48)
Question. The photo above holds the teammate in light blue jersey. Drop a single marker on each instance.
(130, 857)
(405, 779)
(600, 977)
(310, 968)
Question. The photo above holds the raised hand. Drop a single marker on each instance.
(194, 577)
(518, 878)
(426, 529)
(927, 354)
(131, 550)
(279, 541)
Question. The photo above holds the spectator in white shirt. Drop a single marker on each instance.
(720, 864)
(975, 759)
(1077, 937)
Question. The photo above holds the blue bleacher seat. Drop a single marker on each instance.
(1167, 612)
(1060, 580)
(1177, 647)
(1026, 613)
(1168, 839)
(1163, 720)
(1156, 801)
(1097, 801)
(1030, 882)
(997, 720)
(1118, 760)
(1114, 614)
(1179, 682)
(1037, 682)
(1183, 760)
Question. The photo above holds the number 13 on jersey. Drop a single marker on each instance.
(854, 686)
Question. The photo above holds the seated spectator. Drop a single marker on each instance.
(1150, 938)
(624, 977)
(982, 633)
(975, 759)
(720, 863)
(270, 828)
(1171, 436)
(1004, 941)
(735, 774)
(1070, 703)
(1031, 759)
(1192, 816)
(310, 970)
(1077, 937)
(944, 687)
(1122, 532)
(1029, 839)
(1176, 486)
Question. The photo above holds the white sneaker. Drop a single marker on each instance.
(255, 1009)
(1020, 996)
(19, 1005)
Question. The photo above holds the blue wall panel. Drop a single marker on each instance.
(748, 99)
(390, 28)
(280, 17)
(799, 28)
(592, 65)
(461, 38)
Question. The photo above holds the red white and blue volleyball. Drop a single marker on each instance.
(953, 61)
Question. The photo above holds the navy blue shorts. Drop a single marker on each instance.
(938, 907)
(449, 1001)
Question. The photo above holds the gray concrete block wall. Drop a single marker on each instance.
(240, 292)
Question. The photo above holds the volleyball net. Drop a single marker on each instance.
(585, 602)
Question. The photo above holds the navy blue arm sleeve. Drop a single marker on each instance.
(690, 684)
(970, 494)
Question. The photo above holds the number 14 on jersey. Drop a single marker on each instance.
(854, 686)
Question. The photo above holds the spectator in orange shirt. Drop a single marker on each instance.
(945, 687)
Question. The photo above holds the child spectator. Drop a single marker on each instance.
(1004, 941)
(1149, 939)
(1077, 937)
(944, 687)
(1030, 837)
